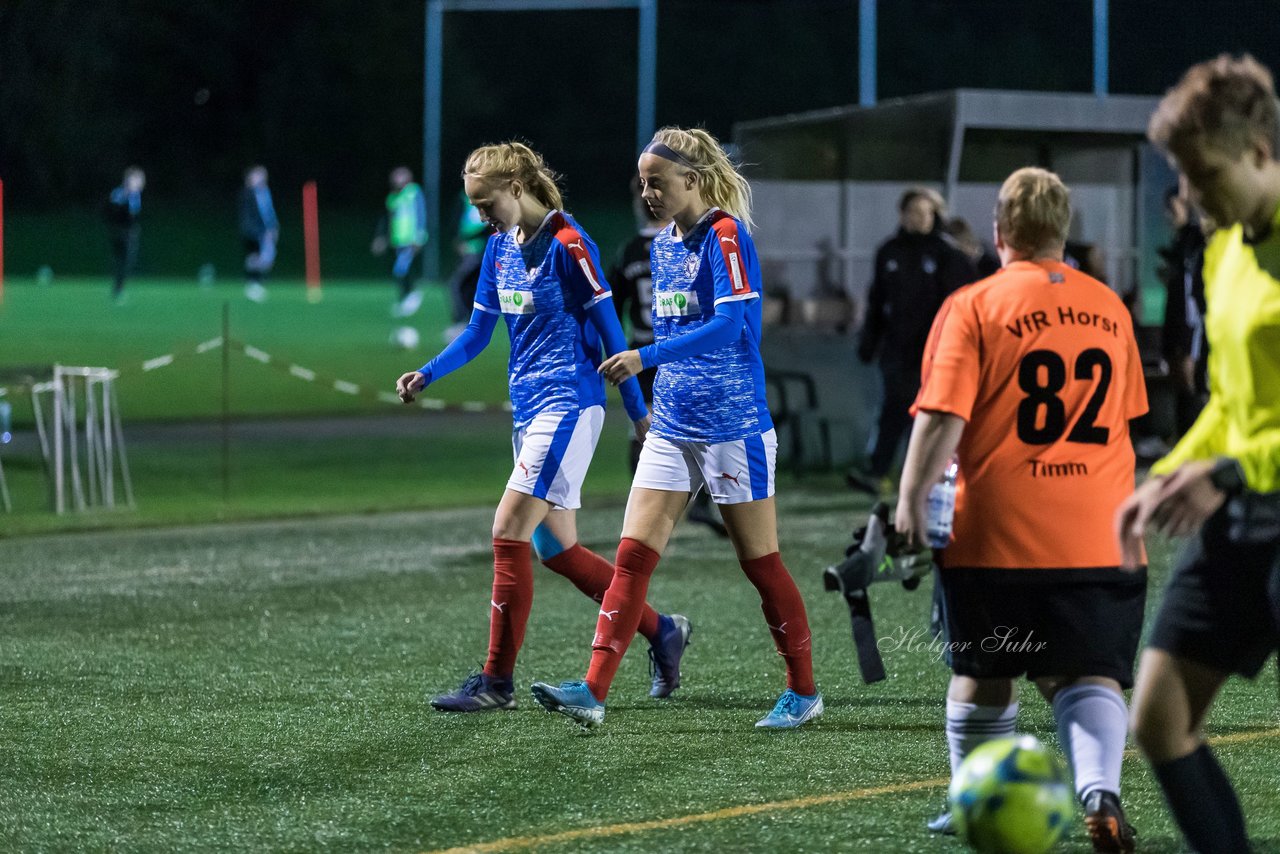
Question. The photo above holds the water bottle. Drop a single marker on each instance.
(940, 508)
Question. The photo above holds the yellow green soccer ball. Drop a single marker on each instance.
(1012, 796)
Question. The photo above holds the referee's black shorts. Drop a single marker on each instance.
(1217, 609)
(1004, 623)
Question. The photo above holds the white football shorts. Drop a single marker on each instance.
(553, 452)
(733, 472)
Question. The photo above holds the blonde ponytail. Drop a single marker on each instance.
(515, 161)
(719, 181)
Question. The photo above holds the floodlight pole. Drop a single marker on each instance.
(433, 79)
(866, 53)
(1101, 46)
(647, 74)
(433, 74)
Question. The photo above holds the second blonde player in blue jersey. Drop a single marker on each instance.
(541, 274)
(711, 426)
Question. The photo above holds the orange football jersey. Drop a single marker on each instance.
(1041, 362)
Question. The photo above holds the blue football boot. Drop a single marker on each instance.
(791, 711)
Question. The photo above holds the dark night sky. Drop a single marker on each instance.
(331, 89)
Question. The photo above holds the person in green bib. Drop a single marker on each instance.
(404, 228)
(469, 242)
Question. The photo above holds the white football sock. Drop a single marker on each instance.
(1092, 723)
(969, 725)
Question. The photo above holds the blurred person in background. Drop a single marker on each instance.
(984, 258)
(915, 270)
(122, 211)
(403, 227)
(469, 242)
(1182, 341)
(259, 231)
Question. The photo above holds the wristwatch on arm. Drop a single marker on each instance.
(1227, 476)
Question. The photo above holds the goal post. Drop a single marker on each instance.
(78, 423)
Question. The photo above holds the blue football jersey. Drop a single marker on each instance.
(717, 396)
(543, 289)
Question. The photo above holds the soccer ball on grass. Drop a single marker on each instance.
(1012, 795)
(405, 337)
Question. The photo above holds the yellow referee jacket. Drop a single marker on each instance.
(1242, 323)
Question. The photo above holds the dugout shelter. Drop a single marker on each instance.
(827, 183)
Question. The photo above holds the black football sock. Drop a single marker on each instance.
(1203, 803)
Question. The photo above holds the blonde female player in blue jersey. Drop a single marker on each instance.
(541, 274)
(711, 426)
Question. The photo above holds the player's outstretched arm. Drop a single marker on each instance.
(460, 350)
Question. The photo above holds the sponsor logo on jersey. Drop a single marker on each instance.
(676, 304)
(516, 302)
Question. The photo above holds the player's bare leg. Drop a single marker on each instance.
(1170, 701)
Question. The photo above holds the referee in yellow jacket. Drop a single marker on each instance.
(1220, 127)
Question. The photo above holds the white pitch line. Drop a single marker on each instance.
(157, 362)
(346, 387)
(211, 344)
(254, 353)
(302, 373)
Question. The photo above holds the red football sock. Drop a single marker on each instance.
(784, 613)
(620, 613)
(509, 607)
(592, 574)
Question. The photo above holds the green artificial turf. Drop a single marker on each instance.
(411, 459)
(347, 335)
(262, 686)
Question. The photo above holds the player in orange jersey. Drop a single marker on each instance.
(1029, 379)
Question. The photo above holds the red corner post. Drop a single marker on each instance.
(311, 239)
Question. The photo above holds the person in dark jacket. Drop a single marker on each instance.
(259, 230)
(122, 210)
(915, 270)
(1182, 339)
